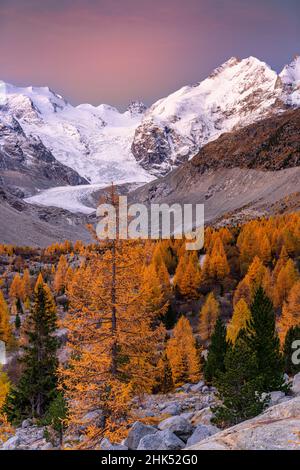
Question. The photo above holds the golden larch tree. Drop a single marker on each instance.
(182, 353)
(240, 316)
(208, 317)
(59, 282)
(290, 312)
(286, 278)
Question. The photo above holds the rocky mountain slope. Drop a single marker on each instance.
(92, 140)
(246, 171)
(236, 94)
(26, 165)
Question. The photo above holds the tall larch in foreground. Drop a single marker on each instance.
(114, 339)
(182, 353)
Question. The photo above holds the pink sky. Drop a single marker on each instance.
(113, 51)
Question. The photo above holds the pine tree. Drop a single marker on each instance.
(292, 335)
(241, 314)
(216, 353)
(208, 317)
(165, 379)
(17, 321)
(264, 343)
(182, 353)
(240, 386)
(37, 386)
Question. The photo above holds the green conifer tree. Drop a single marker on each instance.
(216, 353)
(264, 343)
(37, 386)
(239, 387)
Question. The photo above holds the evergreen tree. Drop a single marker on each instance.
(37, 386)
(17, 321)
(239, 387)
(292, 335)
(216, 353)
(165, 379)
(264, 343)
(56, 416)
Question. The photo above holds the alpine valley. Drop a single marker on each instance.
(213, 141)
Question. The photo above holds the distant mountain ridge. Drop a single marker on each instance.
(101, 144)
(236, 94)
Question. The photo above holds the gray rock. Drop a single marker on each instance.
(197, 387)
(186, 387)
(136, 433)
(11, 443)
(173, 410)
(202, 416)
(107, 445)
(178, 425)
(201, 432)
(296, 384)
(26, 423)
(275, 429)
(275, 397)
(161, 440)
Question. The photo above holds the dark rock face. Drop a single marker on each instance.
(27, 165)
(271, 144)
(247, 173)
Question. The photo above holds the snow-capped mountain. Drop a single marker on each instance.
(236, 94)
(95, 141)
(98, 144)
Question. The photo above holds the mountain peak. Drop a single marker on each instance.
(136, 107)
(290, 74)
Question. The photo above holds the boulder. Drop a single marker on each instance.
(197, 387)
(275, 429)
(201, 432)
(161, 440)
(296, 384)
(178, 425)
(173, 409)
(26, 423)
(11, 443)
(203, 416)
(107, 445)
(136, 433)
(274, 397)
